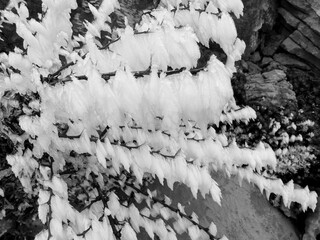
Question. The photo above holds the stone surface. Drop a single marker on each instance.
(303, 6)
(302, 20)
(270, 89)
(305, 43)
(253, 68)
(265, 61)
(259, 15)
(313, 21)
(312, 228)
(244, 66)
(255, 57)
(290, 61)
(274, 65)
(290, 46)
(244, 214)
(315, 5)
(309, 33)
(274, 76)
(272, 44)
(294, 10)
(291, 20)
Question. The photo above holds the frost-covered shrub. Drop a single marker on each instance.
(99, 120)
(289, 135)
(292, 146)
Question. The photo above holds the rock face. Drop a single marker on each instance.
(269, 89)
(303, 20)
(293, 48)
(312, 229)
(287, 26)
(244, 212)
(272, 44)
(259, 15)
(290, 61)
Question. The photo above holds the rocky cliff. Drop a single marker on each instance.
(287, 30)
(280, 71)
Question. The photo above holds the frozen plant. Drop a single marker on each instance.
(99, 120)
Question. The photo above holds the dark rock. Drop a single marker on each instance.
(302, 6)
(313, 21)
(291, 20)
(265, 61)
(303, 20)
(306, 11)
(271, 44)
(253, 68)
(244, 212)
(289, 45)
(258, 15)
(275, 75)
(274, 65)
(312, 228)
(255, 57)
(238, 80)
(244, 66)
(270, 89)
(292, 47)
(305, 43)
(294, 10)
(309, 33)
(315, 5)
(290, 61)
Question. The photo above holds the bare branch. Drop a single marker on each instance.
(109, 43)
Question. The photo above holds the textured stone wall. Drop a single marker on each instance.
(259, 16)
(302, 19)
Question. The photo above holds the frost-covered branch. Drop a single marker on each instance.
(93, 130)
(113, 221)
(53, 79)
(173, 209)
